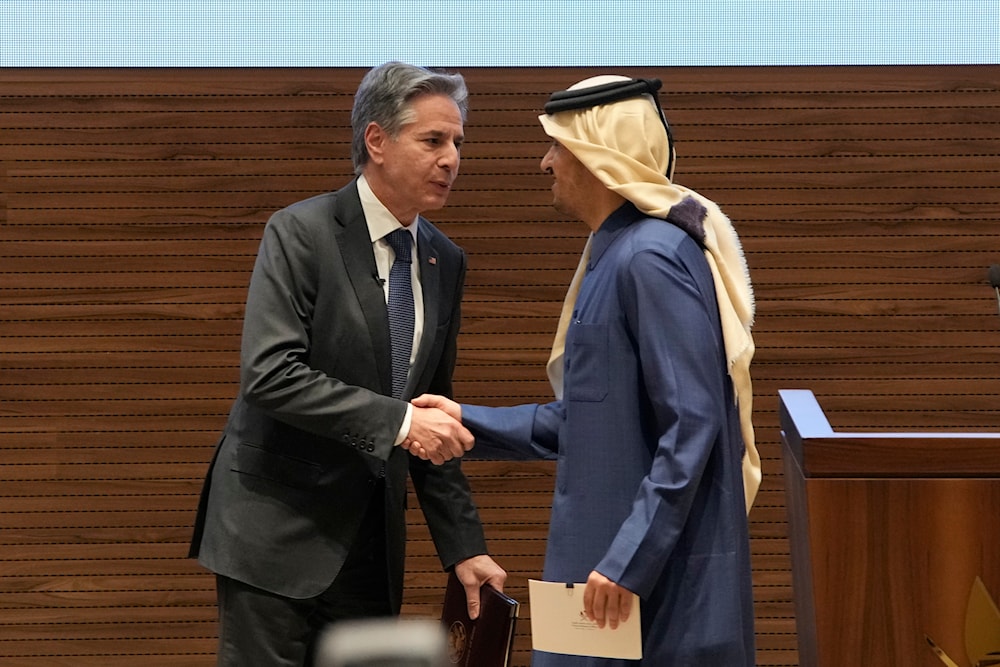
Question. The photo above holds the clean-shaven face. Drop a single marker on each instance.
(420, 165)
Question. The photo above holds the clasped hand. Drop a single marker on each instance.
(436, 431)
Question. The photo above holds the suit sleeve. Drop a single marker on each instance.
(275, 361)
(443, 490)
(520, 432)
(678, 346)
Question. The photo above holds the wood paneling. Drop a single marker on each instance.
(132, 201)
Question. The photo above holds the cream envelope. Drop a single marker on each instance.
(558, 624)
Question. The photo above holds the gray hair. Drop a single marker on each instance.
(385, 97)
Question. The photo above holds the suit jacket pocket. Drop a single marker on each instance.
(587, 373)
(264, 463)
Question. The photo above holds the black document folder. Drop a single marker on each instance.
(486, 641)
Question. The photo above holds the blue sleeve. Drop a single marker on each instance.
(677, 339)
(518, 432)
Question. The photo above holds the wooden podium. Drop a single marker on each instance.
(888, 532)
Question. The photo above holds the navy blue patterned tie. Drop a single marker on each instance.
(400, 309)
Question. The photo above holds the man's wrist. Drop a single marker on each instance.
(404, 429)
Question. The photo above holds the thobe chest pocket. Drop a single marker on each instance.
(587, 362)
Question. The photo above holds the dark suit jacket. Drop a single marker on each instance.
(313, 426)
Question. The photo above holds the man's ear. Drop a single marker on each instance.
(375, 140)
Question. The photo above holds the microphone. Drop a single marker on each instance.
(381, 281)
(995, 281)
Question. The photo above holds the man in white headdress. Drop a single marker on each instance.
(651, 425)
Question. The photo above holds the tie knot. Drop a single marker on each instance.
(401, 241)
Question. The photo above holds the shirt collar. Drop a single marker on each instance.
(609, 230)
(380, 220)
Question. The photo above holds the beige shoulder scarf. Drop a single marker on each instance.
(623, 144)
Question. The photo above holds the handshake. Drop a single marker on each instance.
(436, 431)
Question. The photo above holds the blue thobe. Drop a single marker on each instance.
(649, 488)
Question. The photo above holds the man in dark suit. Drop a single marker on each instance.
(302, 516)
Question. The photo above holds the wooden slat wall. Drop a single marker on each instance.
(132, 201)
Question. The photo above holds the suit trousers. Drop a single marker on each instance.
(261, 629)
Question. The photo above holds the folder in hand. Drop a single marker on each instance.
(486, 641)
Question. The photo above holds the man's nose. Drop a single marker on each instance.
(450, 157)
(547, 162)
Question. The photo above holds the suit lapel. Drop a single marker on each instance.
(355, 246)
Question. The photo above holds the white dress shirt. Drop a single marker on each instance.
(380, 223)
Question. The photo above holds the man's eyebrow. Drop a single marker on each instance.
(438, 134)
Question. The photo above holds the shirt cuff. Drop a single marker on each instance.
(404, 430)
